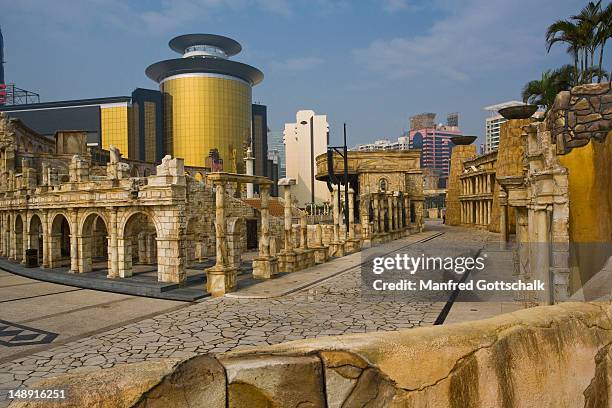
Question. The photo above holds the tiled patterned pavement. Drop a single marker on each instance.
(332, 307)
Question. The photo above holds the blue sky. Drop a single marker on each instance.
(370, 63)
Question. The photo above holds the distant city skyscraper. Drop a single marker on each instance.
(276, 143)
(493, 123)
(434, 142)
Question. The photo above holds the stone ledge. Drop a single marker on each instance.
(545, 356)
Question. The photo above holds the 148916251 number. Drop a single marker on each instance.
(26, 393)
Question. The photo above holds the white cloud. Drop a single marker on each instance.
(470, 38)
(297, 64)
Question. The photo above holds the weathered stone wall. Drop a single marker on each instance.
(460, 154)
(581, 114)
(555, 356)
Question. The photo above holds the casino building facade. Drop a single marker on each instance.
(206, 100)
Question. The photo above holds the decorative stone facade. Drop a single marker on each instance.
(552, 190)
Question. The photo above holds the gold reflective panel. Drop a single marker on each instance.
(150, 142)
(204, 113)
(115, 127)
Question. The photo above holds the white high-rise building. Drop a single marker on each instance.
(493, 123)
(300, 158)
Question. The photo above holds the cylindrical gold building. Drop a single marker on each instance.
(207, 100)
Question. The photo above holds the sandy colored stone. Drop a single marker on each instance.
(117, 387)
(266, 381)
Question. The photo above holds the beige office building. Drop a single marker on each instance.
(300, 156)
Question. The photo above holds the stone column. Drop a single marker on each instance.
(503, 225)
(45, 237)
(540, 260)
(390, 212)
(375, 214)
(265, 266)
(74, 246)
(320, 251)
(84, 244)
(351, 214)
(26, 237)
(113, 244)
(221, 278)
(249, 159)
(336, 213)
(287, 258)
(407, 213)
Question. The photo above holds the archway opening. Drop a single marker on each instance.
(94, 244)
(59, 242)
(36, 237)
(139, 244)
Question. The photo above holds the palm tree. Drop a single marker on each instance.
(603, 33)
(542, 91)
(588, 21)
(567, 32)
(584, 33)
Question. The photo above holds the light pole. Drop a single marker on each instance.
(312, 177)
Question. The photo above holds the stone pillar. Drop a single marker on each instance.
(150, 249)
(390, 212)
(375, 214)
(26, 237)
(321, 252)
(540, 259)
(84, 244)
(124, 257)
(351, 214)
(407, 213)
(249, 159)
(221, 278)
(45, 237)
(113, 244)
(503, 225)
(142, 247)
(303, 231)
(287, 258)
(265, 266)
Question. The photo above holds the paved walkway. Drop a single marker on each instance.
(331, 307)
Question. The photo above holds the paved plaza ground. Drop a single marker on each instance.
(97, 329)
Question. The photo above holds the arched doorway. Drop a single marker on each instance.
(59, 248)
(36, 237)
(139, 246)
(93, 249)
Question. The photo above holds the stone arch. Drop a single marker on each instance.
(199, 176)
(29, 147)
(134, 171)
(383, 184)
(37, 236)
(93, 239)
(60, 240)
(139, 230)
(236, 240)
(18, 228)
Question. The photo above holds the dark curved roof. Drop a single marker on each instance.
(164, 69)
(231, 47)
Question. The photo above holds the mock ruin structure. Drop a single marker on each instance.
(547, 191)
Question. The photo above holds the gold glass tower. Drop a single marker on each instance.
(207, 100)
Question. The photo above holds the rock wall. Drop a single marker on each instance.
(460, 154)
(554, 356)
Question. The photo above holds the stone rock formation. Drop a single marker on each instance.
(549, 356)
